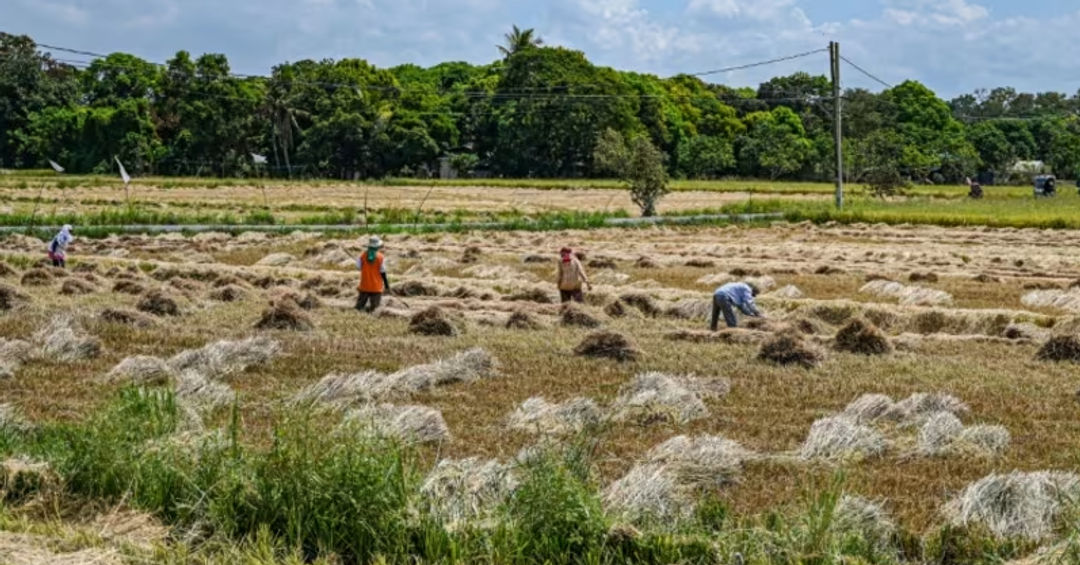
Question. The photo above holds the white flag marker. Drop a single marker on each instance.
(123, 172)
(56, 166)
(259, 159)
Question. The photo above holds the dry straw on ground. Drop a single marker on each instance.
(201, 392)
(141, 370)
(185, 285)
(13, 353)
(11, 298)
(285, 315)
(1021, 505)
(276, 260)
(1068, 300)
(462, 491)
(228, 293)
(646, 263)
(158, 303)
(535, 294)
(653, 397)
(1060, 348)
(576, 316)
(938, 433)
(521, 320)
(128, 287)
(730, 336)
(305, 300)
(36, 277)
(433, 322)
(790, 292)
(917, 408)
(861, 337)
(907, 295)
(603, 263)
(223, 359)
(866, 519)
(415, 288)
(790, 348)
(608, 345)
(690, 309)
(615, 309)
(667, 484)
(64, 341)
(75, 287)
(868, 408)
(126, 317)
(643, 302)
(919, 276)
(538, 416)
(371, 386)
(410, 424)
(837, 437)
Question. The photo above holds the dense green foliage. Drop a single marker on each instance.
(537, 112)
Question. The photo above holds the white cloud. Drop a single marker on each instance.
(935, 12)
(951, 45)
(749, 9)
(63, 12)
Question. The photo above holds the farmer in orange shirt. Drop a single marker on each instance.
(373, 281)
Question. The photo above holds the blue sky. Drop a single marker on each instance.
(954, 46)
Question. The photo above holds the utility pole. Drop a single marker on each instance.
(834, 60)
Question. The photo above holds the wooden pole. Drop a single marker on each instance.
(838, 136)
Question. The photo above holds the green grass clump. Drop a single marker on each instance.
(310, 493)
(1061, 212)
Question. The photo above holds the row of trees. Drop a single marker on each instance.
(536, 112)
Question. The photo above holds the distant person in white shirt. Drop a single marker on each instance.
(58, 247)
(731, 296)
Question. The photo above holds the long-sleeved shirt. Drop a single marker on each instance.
(60, 242)
(741, 296)
(571, 275)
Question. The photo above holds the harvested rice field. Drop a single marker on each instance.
(292, 201)
(927, 377)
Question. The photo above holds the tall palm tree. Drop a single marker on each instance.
(519, 40)
(282, 115)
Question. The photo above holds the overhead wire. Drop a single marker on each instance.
(325, 84)
(760, 63)
(865, 72)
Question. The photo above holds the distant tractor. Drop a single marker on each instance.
(1045, 186)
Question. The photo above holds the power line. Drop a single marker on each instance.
(1033, 118)
(760, 63)
(529, 93)
(522, 90)
(865, 72)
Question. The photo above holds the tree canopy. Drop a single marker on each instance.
(536, 111)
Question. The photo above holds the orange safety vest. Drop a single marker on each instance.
(371, 274)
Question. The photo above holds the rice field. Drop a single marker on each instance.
(911, 397)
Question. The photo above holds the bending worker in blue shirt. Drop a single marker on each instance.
(734, 295)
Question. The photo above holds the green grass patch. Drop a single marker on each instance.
(316, 490)
(1061, 212)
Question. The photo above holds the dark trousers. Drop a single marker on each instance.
(58, 262)
(368, 301)
(568, 295)
(721, 303)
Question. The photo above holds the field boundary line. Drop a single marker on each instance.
(607, 222)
